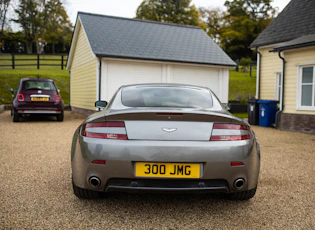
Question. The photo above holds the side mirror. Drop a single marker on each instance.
(227, 106)
(12, 91)
(58, 90)
(100, 104)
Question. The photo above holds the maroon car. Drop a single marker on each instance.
(37, 96)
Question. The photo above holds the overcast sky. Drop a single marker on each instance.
(127, 8)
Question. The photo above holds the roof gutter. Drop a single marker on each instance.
(163, 60)
(282, 88)
(296, 46)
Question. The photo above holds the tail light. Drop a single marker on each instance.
(106, 130)
(20, 97)
(57, 98)
(230, 132)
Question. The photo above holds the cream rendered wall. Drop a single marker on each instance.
(270, 64)
(83, 74)
(295, 58)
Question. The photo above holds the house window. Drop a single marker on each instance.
(278, 87)
(306, 88)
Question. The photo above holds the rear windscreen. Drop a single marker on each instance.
(183, 97)
(42, 85)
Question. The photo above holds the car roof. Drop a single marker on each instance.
(164, 85)
(36, 79)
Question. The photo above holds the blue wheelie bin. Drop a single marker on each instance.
(267, 112)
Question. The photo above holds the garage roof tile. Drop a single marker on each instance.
(148, 40)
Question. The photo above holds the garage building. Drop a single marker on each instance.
(108, 52)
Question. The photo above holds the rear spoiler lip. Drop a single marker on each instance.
(190, 117)
(172, 111)
(111, 115)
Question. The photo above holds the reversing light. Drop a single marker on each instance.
(111, 130)
(230, 126)
(230, 132)
(20, 97)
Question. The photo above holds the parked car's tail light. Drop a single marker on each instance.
(105, 130)
(20, 97)
(57, 98)
(230, 132)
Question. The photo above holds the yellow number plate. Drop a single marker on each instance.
(167, 170)
(40, 99)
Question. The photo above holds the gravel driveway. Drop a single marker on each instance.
(36, 193)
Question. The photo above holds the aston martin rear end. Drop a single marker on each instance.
(164, 138)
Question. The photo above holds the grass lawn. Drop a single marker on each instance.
(241, 115)
(10, 78)
(241, 85)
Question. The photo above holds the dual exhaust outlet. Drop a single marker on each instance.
(239, 183)
(95, 181)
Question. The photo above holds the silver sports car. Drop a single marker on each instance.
(164, 138)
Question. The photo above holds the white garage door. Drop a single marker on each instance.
(118, 73)
(125, 73)
(200, 76)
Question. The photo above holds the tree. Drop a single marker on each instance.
(175, 11)
(4, 6)
(213, 19)
(13, 42)
(244, 21)
(44, 14)
(42, 21)
(59, 27)
(28, 18)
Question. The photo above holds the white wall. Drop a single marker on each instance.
(116, 73)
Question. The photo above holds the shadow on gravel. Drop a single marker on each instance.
(166, 205)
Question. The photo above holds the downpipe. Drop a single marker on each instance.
(282, 89)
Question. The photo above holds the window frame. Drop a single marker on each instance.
(299, 105)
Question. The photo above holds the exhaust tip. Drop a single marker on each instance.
(239, 183)
(95, 181)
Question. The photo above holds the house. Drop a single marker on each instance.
(286, 66)
(107, 52)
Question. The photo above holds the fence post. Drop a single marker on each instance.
(61, 61)
(250, 69)
(13, 64)
(37, 61)
(237, 65)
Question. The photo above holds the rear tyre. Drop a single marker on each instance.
(245, 195)
(60, 116)
(15, 116)
(85, 193)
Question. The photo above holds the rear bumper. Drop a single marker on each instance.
(149, 185)
(216, 157)
(31, 108)
(39, 111)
